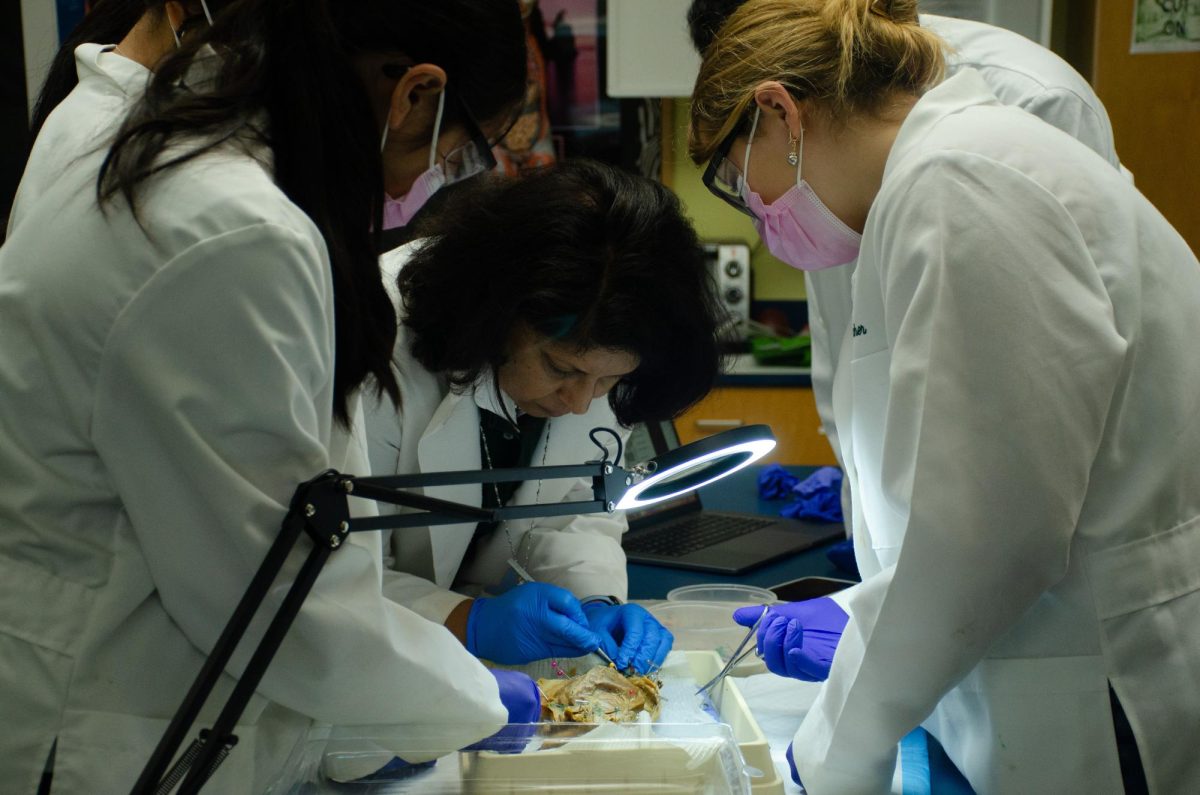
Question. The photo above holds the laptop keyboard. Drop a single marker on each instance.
(690, 533)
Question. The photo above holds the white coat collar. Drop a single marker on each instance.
(953, 95)
(99, 62)
(490, 398)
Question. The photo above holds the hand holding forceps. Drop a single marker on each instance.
(737, 656)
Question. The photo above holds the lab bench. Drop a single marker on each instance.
(738, 492)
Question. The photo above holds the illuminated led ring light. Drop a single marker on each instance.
(697, 464)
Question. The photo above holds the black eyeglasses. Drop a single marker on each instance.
(473, 157)
(723, 178)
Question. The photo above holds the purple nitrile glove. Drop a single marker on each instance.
(531, 622)
(797, 639)
(629, 635)
(521, 697)
(792, 766)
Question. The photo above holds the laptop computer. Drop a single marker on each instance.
(682, 533)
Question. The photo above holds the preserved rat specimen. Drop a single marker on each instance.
(603, 693)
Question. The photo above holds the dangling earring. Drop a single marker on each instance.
(793, 157)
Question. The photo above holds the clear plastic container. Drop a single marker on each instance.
(708, 626)
(727, 758)
(722, 592)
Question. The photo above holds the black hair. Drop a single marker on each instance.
(286, 76)
(705, 18)
(107, 22)
(580, 252)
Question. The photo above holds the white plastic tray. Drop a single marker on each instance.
(696, 759)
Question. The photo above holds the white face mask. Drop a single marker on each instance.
(399, 212)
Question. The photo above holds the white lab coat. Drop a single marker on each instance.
(1020, 73)
(437, 429)
(162, 399)
(1019, 417)
(83, 122)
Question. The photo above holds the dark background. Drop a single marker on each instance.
(14, 114)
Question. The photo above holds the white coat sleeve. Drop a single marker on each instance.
(581, 553)
(1081, 117)
(214, 402)
(1004, 360)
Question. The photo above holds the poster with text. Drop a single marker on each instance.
(1166, 26)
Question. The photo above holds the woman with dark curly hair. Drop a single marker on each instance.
(532, 311)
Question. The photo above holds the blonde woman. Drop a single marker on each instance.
(1017, 412)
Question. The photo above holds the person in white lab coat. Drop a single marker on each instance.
(1020, 73)
(107, 60)
(171, 374)
(533, 311)
(1017, 411)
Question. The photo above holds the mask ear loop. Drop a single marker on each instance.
(800, 157)
(207, 15)
(437, 128)
(749, 143)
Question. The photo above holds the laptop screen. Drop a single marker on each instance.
(646, 441)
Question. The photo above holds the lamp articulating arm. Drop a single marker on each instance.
(320, 510)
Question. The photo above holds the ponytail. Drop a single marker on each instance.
(847, 56)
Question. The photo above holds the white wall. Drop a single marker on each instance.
(651, 55)
(39, 24)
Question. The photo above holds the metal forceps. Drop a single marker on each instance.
(737, 656)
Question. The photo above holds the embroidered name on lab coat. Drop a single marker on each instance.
(860, 330)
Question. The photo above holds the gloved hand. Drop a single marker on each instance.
(797, 639)
(629, 635)
(531, 622)
(792, 767)
(520, 695)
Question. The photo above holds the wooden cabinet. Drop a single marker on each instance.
(790, 411)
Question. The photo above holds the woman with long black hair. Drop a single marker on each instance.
(106, 62)
(186, 318)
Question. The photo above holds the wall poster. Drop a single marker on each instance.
(1166, 26)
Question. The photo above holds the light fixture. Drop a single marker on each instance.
(320, 509)
(695, 465)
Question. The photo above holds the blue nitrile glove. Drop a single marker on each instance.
(797, 639)
(530, 622)
(629, 635)
(819, 496)
(775, 482)
(521, 697)
(841, 555)
(792, 766)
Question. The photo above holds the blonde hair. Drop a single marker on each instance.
(849, 56)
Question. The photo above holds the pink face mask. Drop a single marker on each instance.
(797, 227)
(399, 212)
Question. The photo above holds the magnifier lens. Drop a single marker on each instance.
(691, 477)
